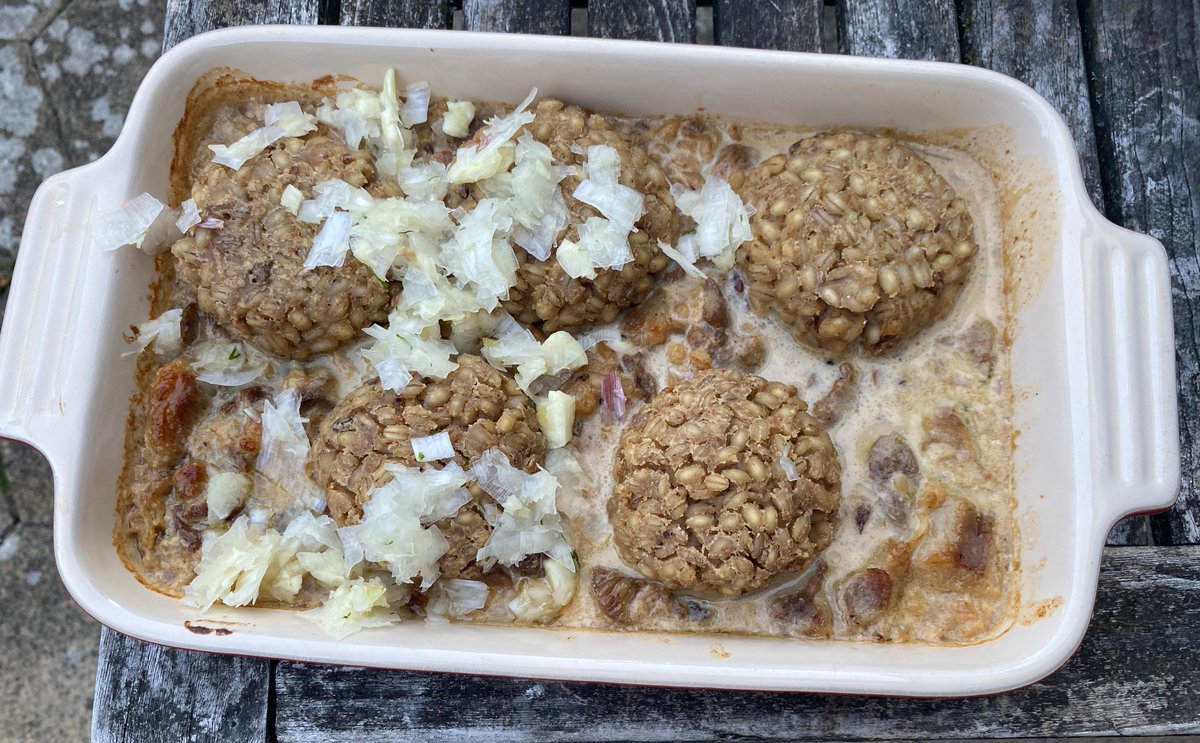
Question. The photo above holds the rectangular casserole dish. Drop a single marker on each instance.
(1090, 332)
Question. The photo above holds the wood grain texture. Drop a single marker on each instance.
(1146, 78)
(186, 18)
(645, 20)
(904, 29)
(518, 16)
(792, 25)
(1041, 44)
(1133, 675)
(396, 14)
(147, 693)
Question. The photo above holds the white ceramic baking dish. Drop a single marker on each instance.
(1092, 351)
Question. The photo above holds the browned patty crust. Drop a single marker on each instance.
(479, 407)
(857, 239)
(702, 502)
(249, 273)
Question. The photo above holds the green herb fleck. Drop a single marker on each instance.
(234, 354)
(421, 457)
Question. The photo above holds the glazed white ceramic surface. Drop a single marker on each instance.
(1092, 353)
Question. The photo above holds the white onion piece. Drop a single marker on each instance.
(331, 243)
(232, 565)
(291, 198)
(353, 606)
(722, 222)
(416, 104)
(229, 364)
(786, 464)
(529, 523)
(483, 160)
(688, 264)
(612, 398)
(392, 529)
(457, 121)
(280, 466)
(163, 331)
(234, 156)
(127, 224)
(403, 348)
(433, 448)
(457, 598)
(224, 493)
(212, 223)
(621, 205)
(556, 418)
(289, 117)
(189, 215)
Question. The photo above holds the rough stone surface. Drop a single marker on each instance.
(91, 67)
(68, 69)
(67, 73)
(30, 482)
(23, 20)
(30, 147)
(48, 646)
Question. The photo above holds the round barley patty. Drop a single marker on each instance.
(479, 407)
(249, 273)
(702, 502)
(857, 239)
(545, 295)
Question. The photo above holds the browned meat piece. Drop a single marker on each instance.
(857, 239)
(829, 409)
(584, 383)
(317, 389)
(734, 163)
(978, 343)
(684, 145)
(174, 405)
(890, 455)
(955, 551)
(803, 609)
(249, 273)
(230, 439)
(189, 510)
(675, 307)
(545, 296)
(696, 309)
(702, 502)
(947, 434)
(467, 531)
(633, 601)
(865, 596)
(479, 407)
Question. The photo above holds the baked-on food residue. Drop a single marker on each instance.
(415, 357)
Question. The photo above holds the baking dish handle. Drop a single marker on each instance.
(1131, 368)
(39, 339)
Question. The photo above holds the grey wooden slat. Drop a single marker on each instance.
(793, 25)
(394, 14)
(904, 29)
(518, 16)
(646, 20)
(186, 18)
(1133, 675)
(1144, 60)
(147, 693)
(1041, 44)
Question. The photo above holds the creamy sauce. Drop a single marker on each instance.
(894, 394)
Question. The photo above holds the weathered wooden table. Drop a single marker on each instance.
(1124, 75)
